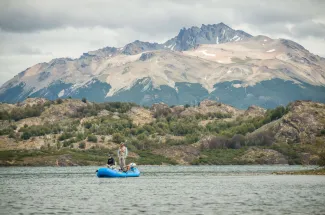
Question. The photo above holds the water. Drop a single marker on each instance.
(161, 190)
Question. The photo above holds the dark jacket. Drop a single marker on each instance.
(110, 161)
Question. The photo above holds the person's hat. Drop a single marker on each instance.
(122, 143)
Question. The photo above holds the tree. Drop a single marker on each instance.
(84, 100)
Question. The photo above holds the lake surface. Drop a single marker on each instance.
(161, 190)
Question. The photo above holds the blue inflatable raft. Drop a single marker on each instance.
(113, 173)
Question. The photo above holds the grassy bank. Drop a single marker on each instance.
(317, 171)
(72, 157)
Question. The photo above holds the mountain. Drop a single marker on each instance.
(212, 62)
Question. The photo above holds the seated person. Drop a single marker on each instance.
(130, 167)
(110, 162)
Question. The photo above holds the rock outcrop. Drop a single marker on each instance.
(303, 124)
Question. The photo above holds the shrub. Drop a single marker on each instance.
(66, 143)
(162, 112)
(12, 135)
(117, 138)
(19, 113)
(92, 138)
(80, 136)
(236, 141)
(321, 161)
(48, 103)
(192, 138)
(4, 115)
(58, 145)
(65, 136)
(84, 100)
(59, 101)
(82, 145)
(173, 142)
(218, 142)
(141, 137)
(265, 138)
(87, 125)
(26, 136)
(134, 144)
(6, 131)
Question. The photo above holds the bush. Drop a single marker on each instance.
(19, 113)
(192, 138)
(92, 138)
(162, 112)
(82, 145)
(59, 101)
(321, 161)
(84, 100)
(26, 135)
(236, 141)
(218, 142)
(4, 115)
(265, 138)
(175, 142)
(65, 136)
(12, 135)
(80, 136)
(117, 138)
(141, 137)
(6, 131)
(87, 125)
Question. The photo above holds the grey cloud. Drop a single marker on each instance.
(309, 29)
(33, 31)
(155, 16)
(20, 49)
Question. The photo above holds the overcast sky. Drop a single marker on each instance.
(37, 30)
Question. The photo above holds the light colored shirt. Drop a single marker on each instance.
(122, 152)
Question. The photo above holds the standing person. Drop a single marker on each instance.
(122, 153)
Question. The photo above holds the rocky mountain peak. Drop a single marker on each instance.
(188, 38)
(104, 52)
(137, 47)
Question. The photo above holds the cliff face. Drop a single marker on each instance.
(303, 124)
(209, 133)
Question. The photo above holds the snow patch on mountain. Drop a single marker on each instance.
(207, 54)
(271, 50)
(237, 85)
(61, 93)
